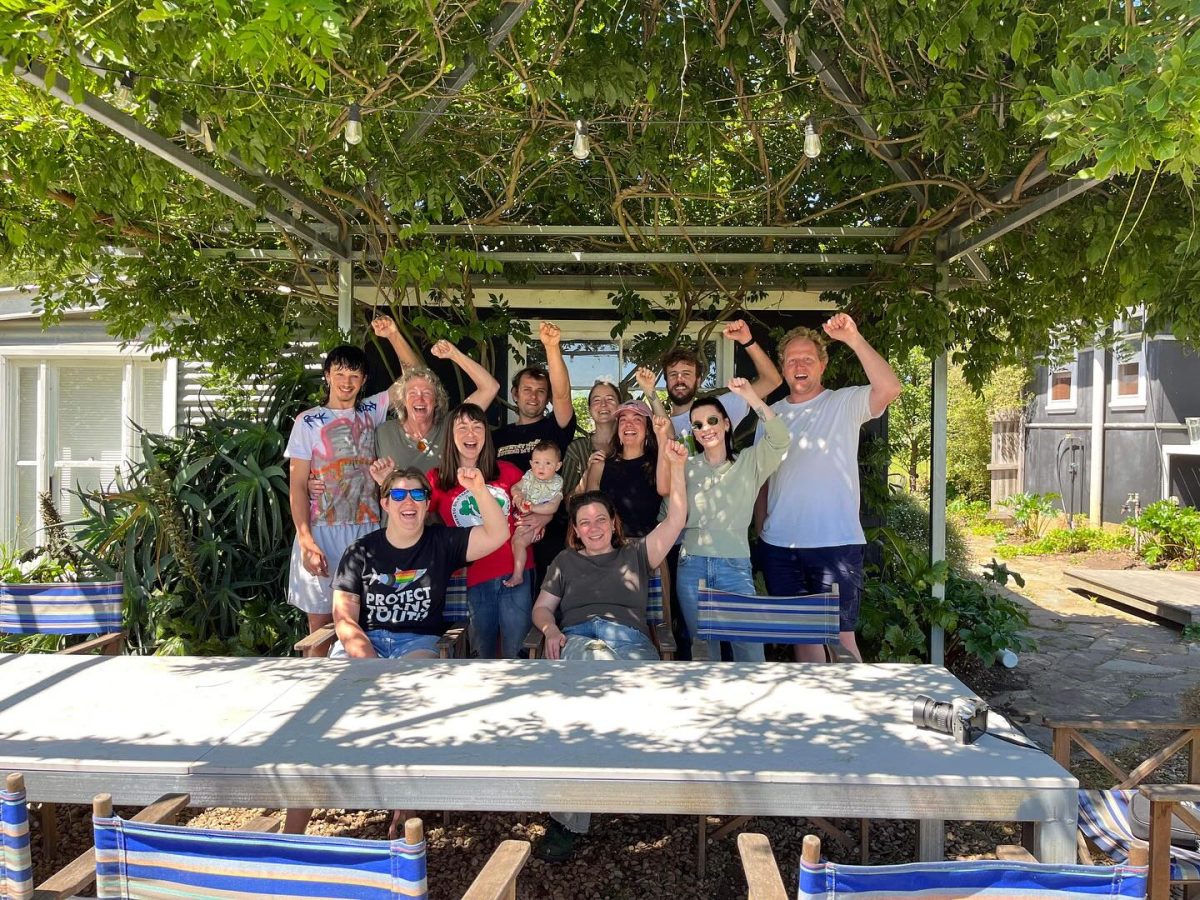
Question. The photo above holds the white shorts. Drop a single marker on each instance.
(312, 593)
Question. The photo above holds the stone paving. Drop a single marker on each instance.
(1092, 658)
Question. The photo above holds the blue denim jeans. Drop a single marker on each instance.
(601, 639)
(499, 611)
(391, 644)
(723, 574)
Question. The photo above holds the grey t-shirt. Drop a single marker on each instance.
(613, 586)
(392, 440)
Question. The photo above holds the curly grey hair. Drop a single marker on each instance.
(398, 389)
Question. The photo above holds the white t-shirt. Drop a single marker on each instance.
(340, 447)
(735, 407)
(812, 499)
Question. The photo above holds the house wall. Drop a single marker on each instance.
(1133, 436)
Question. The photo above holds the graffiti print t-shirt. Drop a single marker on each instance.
(339, 445)
(458, 509)
(402, 589)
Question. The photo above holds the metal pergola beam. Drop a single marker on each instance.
(131, 129)
(467, 229)
(191, 124)
(510, 13)
(978, 211)
(1039, 206)
(632, 257)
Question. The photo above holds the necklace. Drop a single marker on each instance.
(422, 445)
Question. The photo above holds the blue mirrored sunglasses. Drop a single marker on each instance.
(420, 495)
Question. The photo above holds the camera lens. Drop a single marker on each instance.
(932, 714)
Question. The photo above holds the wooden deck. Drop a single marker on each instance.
(1169, 595)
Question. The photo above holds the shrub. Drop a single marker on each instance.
(1170, 533)
(898, 610)
(1033, 512)
(908, 516)
(1068, 540)
(201, 533)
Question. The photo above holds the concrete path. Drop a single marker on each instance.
(1092, 658)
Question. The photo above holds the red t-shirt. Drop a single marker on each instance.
(457, 509)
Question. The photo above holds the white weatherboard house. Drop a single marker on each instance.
(71, 396)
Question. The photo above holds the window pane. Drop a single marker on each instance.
(27, 413)
(90, 418)
(150, 415)
(79, 478)
(1127, 379)
(26, 506)
(1060, 386)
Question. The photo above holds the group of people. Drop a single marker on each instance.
(393, 493)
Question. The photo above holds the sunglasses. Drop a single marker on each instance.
(420, 495)
(711, 420)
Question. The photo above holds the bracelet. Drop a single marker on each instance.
(750, 343)
(760, 410)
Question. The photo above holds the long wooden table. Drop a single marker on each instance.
(768, 739)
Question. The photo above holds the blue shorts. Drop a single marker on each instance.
(392, 644)
(810, 570)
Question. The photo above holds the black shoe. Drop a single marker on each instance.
(558, 845)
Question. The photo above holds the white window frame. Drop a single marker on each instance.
(46, 358)
(1134, 401)
(601, 330)
(1071, 403)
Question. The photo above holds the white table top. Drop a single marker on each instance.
(735, 738)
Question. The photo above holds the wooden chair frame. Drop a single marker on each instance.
(1164, 799)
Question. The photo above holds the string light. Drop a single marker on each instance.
(581, 146)
(812, 140)
(123, 96)
(354, 125)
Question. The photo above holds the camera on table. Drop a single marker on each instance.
(964, 718)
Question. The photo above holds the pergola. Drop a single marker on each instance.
(836, 256)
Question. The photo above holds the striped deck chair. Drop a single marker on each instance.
(803, 619)
(87, 608)
(16, 861)
(455, 614)
(1105, 820)
(658, 617)
(1009, 878)
(151, 862)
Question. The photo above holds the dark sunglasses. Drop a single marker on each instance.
(420, 495)
(711, 420)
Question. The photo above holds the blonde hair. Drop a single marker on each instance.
(400, 387)
(804, 333)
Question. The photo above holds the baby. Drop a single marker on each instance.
(540, 490)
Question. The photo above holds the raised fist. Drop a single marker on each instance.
(471, 479)
(384, 326)
(841, 327)
(737, 330)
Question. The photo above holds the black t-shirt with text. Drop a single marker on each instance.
(402, 590)
(515, 443)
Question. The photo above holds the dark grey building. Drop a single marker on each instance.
(1112, 423)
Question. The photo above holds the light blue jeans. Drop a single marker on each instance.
(723, 574)
(599, 638)
(392, 644)
(499, 611)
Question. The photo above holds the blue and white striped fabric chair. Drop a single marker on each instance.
(802, 619)
(86, 608)
(149, 862)
(16, 862)
(1012, 879)
(1105, 819)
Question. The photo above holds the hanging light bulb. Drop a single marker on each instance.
(354, 125)
(123, 96)
(206, 137)
(581, 147)
(812, 140)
